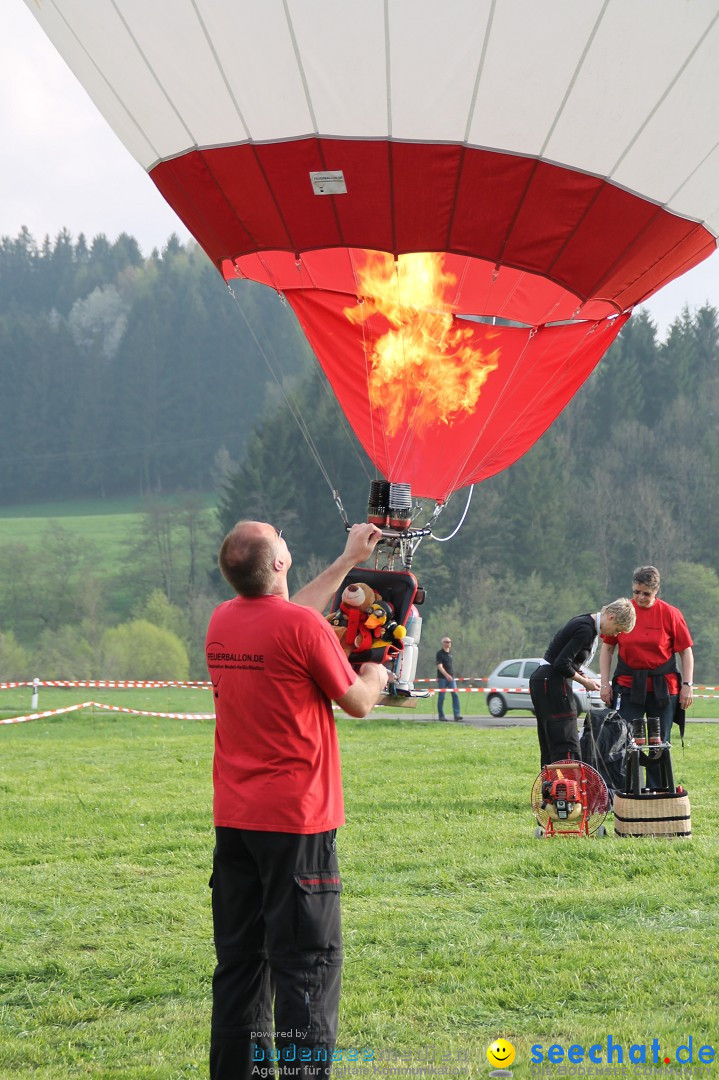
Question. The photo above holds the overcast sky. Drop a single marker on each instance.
(63, 167)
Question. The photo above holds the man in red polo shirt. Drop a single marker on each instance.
(647, 680)
(275, 667)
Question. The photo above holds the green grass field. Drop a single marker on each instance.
(109, 523)
(106, 524)
(17, 701)
(459, 926)
(70, 508)
(84, 508)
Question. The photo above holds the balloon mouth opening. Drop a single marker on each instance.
(474, 289)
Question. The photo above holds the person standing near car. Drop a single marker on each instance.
(446, 680)
(276, 666)
(550, 685)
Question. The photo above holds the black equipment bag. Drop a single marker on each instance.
(603, 744)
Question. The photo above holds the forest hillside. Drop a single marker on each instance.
(130, 376)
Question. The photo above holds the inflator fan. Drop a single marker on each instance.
(570, 798)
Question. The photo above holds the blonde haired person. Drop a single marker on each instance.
(550, 685)
(647, 681)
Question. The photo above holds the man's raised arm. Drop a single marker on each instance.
(361, 542)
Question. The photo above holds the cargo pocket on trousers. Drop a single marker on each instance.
(318, 910)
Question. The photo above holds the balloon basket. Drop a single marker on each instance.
(403, 699)
(400, 590)
(660, 814)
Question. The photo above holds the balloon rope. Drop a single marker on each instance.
(403, 447)
(539, 398)
(351, 438)
(443, 539)
(549, 387)
(548, 390)
(365, 350)
(410, 428)
(296, 413)
(456, 481)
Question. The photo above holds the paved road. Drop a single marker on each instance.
(509, 721)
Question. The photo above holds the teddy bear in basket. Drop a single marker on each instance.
(349, 620)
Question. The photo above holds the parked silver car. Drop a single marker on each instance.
(508, 687)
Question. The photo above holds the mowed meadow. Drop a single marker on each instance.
(459, 926)
(77, 579)
(108, 525)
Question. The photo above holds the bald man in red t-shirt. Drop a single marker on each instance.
(275, 667)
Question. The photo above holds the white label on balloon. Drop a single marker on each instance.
(328, 183)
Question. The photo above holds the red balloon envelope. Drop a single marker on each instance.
(558, 159)
(441, 402)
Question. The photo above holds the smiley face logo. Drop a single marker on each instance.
(500, 1053)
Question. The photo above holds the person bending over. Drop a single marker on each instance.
(550, 685)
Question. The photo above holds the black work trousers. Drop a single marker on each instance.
(553, 703)
(276, 915)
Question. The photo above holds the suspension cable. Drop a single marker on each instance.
(296, 413)
(341, 418)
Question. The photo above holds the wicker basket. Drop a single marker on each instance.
(659, 814)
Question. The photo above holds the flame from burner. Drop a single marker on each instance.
(424, 368)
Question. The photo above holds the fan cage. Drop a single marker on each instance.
(593, 794)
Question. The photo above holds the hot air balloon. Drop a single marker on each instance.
(398, 168)
(461, 201)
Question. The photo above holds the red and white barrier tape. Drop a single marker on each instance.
(525, 690)
(110, 684)
(460, 678)
(457, 689)
(158, 684)
(48, 712)
(161, 715)
(109, 708)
